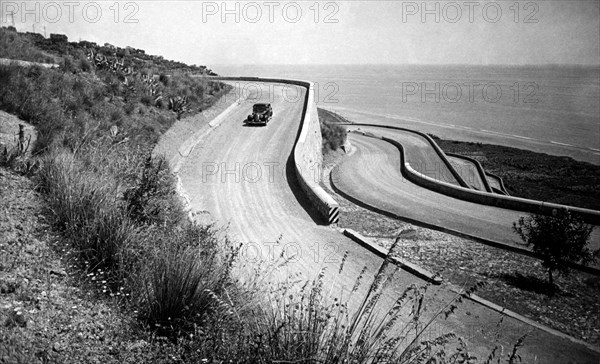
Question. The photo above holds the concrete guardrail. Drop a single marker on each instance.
(404, 264)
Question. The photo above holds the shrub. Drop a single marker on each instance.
(334, 136)
(164, 79)
(15, 46)
(153, 198)
(147, 100)
(559, 239)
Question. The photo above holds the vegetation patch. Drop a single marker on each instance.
(334, 135)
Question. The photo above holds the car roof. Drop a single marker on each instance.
(262, 104)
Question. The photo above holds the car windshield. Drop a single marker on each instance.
(260, 108)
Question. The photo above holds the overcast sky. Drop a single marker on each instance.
(336, 32)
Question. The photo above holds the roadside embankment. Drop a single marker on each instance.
(473, 170)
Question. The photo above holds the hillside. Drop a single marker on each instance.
(84, 200)
(99, 262)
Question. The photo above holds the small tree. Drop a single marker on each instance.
(559, 239)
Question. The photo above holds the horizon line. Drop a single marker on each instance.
(415, 64)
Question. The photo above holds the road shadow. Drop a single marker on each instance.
(532, 284)
(299, 194)
(292, 179)
(245, 125)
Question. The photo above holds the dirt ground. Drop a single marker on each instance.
(49, 311)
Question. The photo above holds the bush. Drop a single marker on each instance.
(153, 198)
(15, 46)
(334, 136)
(147, 100)
(559, 239)
(164, 79)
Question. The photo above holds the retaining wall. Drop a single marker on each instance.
(500, 182)
(479, 168)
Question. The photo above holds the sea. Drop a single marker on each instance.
(553, 109)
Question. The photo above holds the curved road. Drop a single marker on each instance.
(359, 177)
(372, 174)
(420, 154)
(243, 176)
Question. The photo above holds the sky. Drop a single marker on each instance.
(328, 32)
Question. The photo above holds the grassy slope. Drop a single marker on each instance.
(46, 316)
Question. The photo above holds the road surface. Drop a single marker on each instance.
(243, 176)
(372, 175)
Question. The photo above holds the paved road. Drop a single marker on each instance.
(222, 178)
(420, 156)
(372, 174)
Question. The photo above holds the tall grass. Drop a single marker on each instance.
(303, 322)
(186, 273)
(153, 198)
(86, 206)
